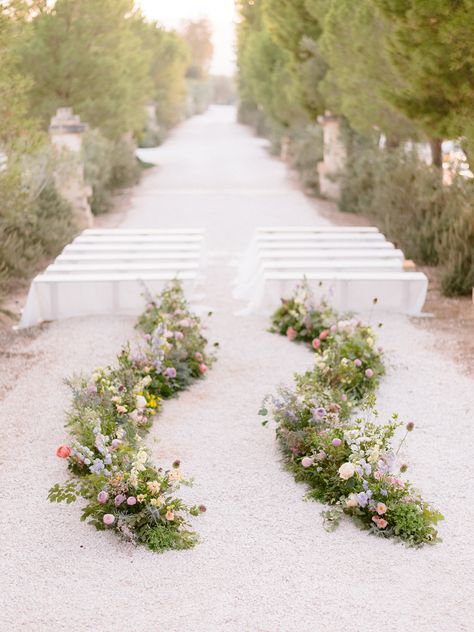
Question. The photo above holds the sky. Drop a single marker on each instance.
(220, 13)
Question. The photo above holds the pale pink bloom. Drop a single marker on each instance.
(381, 509)
(102, 497)
(108, 519)
(169, 516)
(291, 333)
(316, 343)
(324, 334)
(334, 329)
(306, 461)
(369, 373)
(378, 475)
(203, 368)
(198, 356)
(380, 522)
(179, 335)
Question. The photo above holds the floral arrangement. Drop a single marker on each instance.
(299, 320)
(112, 411)
(346, 457)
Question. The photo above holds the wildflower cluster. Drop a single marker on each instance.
(346, 457)
(298, 319)
(110, 414)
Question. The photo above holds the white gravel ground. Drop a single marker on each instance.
(265, 563)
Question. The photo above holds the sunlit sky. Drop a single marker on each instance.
(220, 13)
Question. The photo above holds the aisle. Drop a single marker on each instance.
(265, 563)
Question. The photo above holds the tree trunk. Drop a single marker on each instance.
(436, 152)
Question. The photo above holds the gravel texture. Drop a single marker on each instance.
(265, 563)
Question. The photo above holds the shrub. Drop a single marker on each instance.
(35, 221)
(406, 199)
(305, 151)
(108, 165)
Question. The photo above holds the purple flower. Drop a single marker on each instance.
(358, 362)
(115, 443)
(102, 497)
(179, 335)
(306, 461)
(336, 442)
(362, 499)
(97, 467)
(119, 500)
(319, 413)
(170, 372)
(369, 373)
(131, 500)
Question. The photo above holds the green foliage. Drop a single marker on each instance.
(405, 198)
(108, 165)
(110, 414)
(35, 222)
(359, 73)
(349, 463)
(86, 55)
(169, 58)
(431, 49)
(305, 151)
(198, 36)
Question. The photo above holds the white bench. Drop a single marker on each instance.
(130, 248)
(250, 264)
(113, 266)
(317, 237)
(308, 266)
(138, 239)
(403, 292)
(317, 229)
(141, 231)
(55, 296)
(132, 257)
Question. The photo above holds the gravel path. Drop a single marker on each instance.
(265, 563)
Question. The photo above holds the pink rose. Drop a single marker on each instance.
(108, 519)
(369, 373)
(198, 357)
(169, 516)
(316, 343)
(306, 461)
(203, 368)
(324, 334)
(291, 333)
(380, 522)
(381, 509)
(102, 497)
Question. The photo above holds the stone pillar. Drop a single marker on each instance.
(285, 148)
(335, 156)
(66, 132)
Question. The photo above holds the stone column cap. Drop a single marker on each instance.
(66, 122)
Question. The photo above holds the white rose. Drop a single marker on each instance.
(142, 456)
(374, 455)
(346, 471)
(352, 500)
(141, 401)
